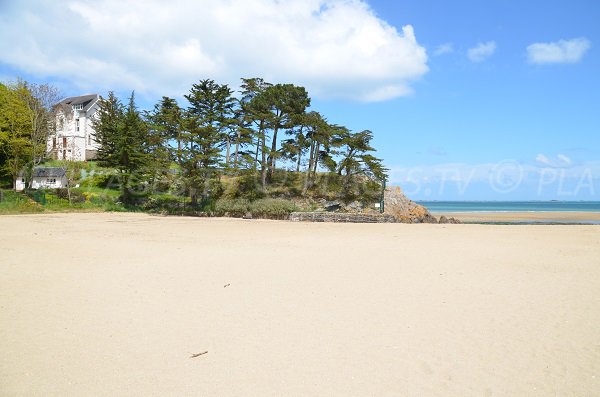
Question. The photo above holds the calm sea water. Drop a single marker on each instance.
(511, 206)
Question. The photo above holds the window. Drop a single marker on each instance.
(51, 181)
(76, 124)
(78, 106)
(89, 139)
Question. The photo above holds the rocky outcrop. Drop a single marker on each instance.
(404, 209)
(443, 219)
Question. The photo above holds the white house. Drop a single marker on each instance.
(73, 138)
(44, 178)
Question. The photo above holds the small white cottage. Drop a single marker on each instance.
(44, 178)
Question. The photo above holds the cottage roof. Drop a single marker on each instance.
(86, 100)
(48, 172)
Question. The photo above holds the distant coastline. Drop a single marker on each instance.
(442, 207)
(519, 212)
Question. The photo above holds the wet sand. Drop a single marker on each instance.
(116, 305)
(517, 217)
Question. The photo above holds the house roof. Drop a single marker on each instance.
(47, 172)
(86, 100)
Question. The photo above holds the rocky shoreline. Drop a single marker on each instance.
(398, 209)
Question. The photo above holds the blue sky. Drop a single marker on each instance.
(494, 100)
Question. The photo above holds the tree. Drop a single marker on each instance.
(284, 101)
(166, 119)
(122, 135)
(356, 158)
(40, 100)
(15, 133)
(165, 124)
(255, 116)
(206, 122)
(318, 133)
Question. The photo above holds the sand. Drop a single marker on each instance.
(515, 217)
(115, 305)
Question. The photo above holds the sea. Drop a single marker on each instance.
(511, 206)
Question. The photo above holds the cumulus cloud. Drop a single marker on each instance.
(446, 48)
(560, 161)
(482, 51)
(562, 51)
(336, 48)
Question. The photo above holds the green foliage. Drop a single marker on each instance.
(16, 147)
(217, 156)
(122, 135)
(245, 186)
(18, 203)
(232, 207)
(272, 208)
(263, 208)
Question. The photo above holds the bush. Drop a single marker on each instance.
(103, 181)
(231, 207)
(272, 208)
(166, 203)
(76, 196)
(245, 186)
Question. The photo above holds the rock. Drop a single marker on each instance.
(443, 219)
(404, 209)
(248, 215)
(332, 206)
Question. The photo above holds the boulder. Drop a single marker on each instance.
(404, 209)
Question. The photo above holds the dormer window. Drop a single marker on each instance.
(79, 106)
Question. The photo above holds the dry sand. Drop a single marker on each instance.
(513, 217)
(115, 305)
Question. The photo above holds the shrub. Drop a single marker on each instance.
(245, 186)
(272, 208)
(162, 203)
(231, 207)
(103, 181)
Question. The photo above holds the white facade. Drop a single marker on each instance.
(49, 182)
(20, 184)
(74, 135)
(43, 178)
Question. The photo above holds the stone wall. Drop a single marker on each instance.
(340, 217)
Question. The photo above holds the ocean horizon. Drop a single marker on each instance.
(510, 206)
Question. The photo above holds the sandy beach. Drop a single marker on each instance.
(516, 217)
(117, 304)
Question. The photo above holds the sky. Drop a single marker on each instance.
(467, 100)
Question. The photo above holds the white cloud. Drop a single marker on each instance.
(482, 51)
(446, 48)
(542, 159)
(336, 48)
(562, 51)
(564, 159)
(560, 161)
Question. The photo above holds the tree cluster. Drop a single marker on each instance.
(26, 120)
(252, 136)
(220, 132)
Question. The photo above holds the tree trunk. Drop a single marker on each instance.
(264, 163)
(309, 168)
(179, 147)
(227, 152)
(272, 153)
(316, 159)
(299, 158)
(237, 149)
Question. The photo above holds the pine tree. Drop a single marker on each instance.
(122, 135)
